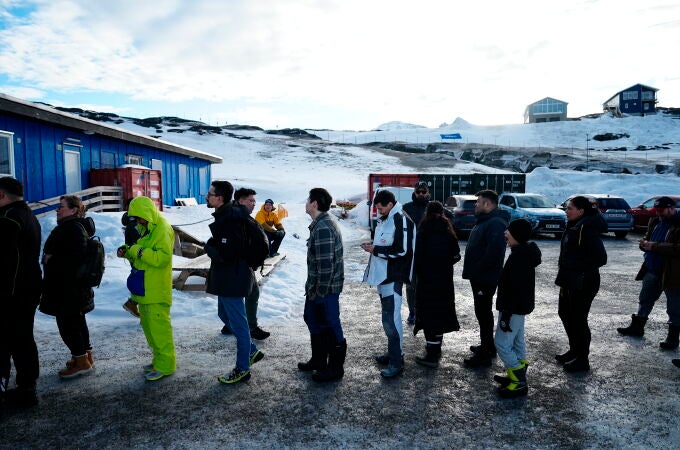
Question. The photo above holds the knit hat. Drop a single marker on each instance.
(12, 186)
(520, 229)
(664, 202)
(269, 200)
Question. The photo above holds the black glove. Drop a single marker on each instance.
(504, 323)
(280, 234)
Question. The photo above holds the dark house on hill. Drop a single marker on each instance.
(51, 152)
(546, 110)
(637, 100)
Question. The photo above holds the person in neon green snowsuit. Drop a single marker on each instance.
(152, 254)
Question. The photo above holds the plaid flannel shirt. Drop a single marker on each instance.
(325, 271)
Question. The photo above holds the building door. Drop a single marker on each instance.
(72, 171)
(183, 172)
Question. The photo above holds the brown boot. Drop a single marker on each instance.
(90, 358)
(131, 307)
(81, 367)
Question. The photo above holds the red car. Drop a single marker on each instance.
(645, 211)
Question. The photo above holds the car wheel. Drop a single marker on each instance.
(620, 234)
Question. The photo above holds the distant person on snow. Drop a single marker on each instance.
(515, 300)
(269, 220)
(246, 197)
(416, 211)
(389, 267)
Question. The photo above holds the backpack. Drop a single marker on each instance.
(91, 270)
(256, 244)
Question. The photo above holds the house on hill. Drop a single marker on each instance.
(637, 100)
(52, 152)
(546, 110)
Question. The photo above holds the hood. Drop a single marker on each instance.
(145, 208)
(495, 213)
(529, 252)
(264, 211)
(424, 200)
(88, 224)
(545, 211)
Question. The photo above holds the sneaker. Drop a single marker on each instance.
(258, 333)
(235, 376)
(226, 330)
(391, 371)
(385, 359)
(155, 375)
(131, 307)
(256, 356)
(411, 320)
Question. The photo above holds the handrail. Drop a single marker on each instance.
(98, 198)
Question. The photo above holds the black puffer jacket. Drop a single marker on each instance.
(516, 288)
(417, 206)
(582, 252)
(485, 250)
(63, 254)
(436, 253)
(230, 275)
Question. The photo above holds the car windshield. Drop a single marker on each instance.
(534, 201)
(469, 204)
(612, 203)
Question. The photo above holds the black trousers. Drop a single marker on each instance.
(483, 298)
(274, 241)
(573, 309)
(74, 332)
(17, 342)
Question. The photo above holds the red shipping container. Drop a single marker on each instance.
(135, 181)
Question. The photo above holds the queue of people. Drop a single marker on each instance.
(402, 253)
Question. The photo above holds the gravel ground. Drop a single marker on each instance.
(628, 400)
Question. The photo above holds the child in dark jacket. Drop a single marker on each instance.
(515, 300)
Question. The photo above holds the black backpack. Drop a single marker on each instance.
(256, 244)
(91, 270)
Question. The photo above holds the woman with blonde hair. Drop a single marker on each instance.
(63, 296)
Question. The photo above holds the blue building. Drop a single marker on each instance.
(637, 100)
(546, 110)
(51, 152)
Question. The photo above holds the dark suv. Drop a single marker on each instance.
(615, 210)
(463, 209)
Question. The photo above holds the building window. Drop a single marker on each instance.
(203, 180)
(630, 95)
(646, 106)
(108, 160)
(134, 159)
(648, 95)
(183, 175)
(6, 154)
(157, 164)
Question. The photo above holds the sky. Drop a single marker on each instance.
(338, 64)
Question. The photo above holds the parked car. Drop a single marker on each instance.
(646, 210)
(539, 210)
(463, 209)
(402, 194)
(615, 210)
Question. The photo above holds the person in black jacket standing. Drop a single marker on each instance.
(20, 280)
(436, 252)
(62, 297)
(515, 300)
(582, 253)
(483, 263)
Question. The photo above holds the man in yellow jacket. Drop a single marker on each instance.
(271, 224)
(150, 283)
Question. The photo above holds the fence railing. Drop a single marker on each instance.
(98, 198)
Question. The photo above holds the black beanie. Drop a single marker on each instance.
(12, 186)
(520, 229)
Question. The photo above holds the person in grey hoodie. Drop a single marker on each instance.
(484, 255)
(389, 267)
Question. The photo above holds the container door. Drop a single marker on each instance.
(72, 171)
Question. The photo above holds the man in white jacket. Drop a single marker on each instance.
(389, 267)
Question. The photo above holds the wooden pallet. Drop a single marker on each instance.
(200, 267)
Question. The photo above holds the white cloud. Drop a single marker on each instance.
(397, 60)
(26, 93)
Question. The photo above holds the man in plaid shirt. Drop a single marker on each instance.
(325, 277)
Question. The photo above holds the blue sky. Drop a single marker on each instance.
(340, 64)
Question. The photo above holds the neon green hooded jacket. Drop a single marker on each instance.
(153, 252)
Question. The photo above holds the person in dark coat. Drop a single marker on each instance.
(515, 300)
(20, 280)
(230, 276)
(131, 237)
(582, 253)
(62, 296)
(436, 252)
(484, 255)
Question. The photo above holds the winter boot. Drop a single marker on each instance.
(81, 367)
(672, 339)
(480, 359)
(433, 353)
(21, 397)
(636, 327)
(579, 364)
(132, 307)
(319, 358)
(565, 357)
(90, 358)
(676, 362)
(336, 361)
(518, 383)
(479, 348)
(503, 380)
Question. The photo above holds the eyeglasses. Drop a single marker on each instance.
(210, 194)
(421, 192)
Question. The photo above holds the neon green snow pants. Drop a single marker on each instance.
(155, 319)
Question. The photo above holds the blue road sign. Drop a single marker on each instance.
(451, 136)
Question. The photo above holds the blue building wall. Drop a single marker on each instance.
(39, 159)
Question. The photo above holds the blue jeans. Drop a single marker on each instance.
(322, 313)
(390, 301)
(650, 293)
(510, 345)
(235, 311)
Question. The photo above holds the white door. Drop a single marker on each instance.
(72, 171)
